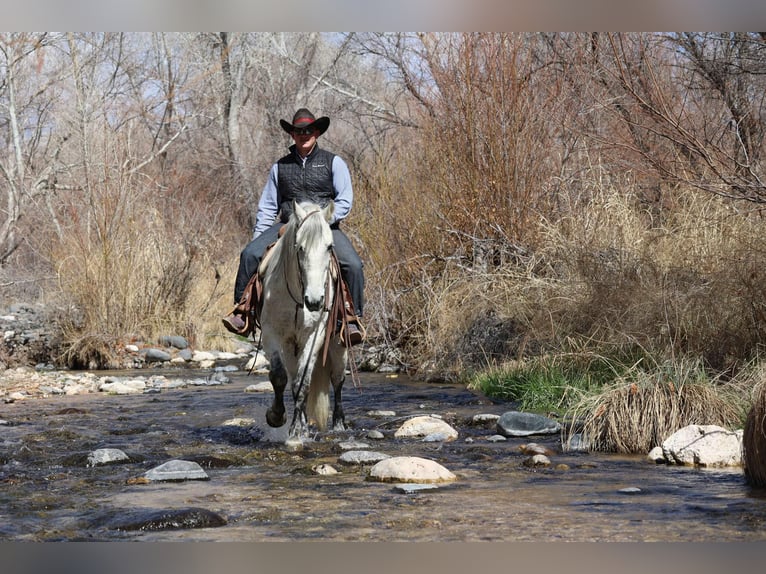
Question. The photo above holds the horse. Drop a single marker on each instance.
(298, 292)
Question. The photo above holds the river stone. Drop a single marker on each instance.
(324, 469)
(424, 426)
(103, 456)
(484, 418)
(410, 469)
(264, 387)
(351, 445)
(128, 387)
(375, 434)
(362, 457)
(156, 356)
(176, 470)
(704, 445)
(174, 341)
(515, 423)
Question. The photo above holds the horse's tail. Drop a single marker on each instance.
(318, 404)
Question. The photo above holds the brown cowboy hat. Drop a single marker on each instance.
(303, 119)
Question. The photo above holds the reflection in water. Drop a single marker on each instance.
(262, 492)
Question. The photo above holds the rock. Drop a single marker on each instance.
(258, 362)
(102, 456)
(375, 435)
(264, 387)
(126, 387)
(153, 520)
(533, 448)
(704, 445)
(515, 423)
(483, 419)
(175, 470)
(352, 445)
(630, 490)
(362, 457)
(175, 341)
(410, 469)
(381, 414)
(324, 469)
(496, 438)
(537, 460)
(156, 356)
(239, 422)
(413, 488)
(424, 426)
(656, 455)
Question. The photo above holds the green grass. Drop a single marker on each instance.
(549, 383)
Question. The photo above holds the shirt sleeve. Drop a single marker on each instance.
(344, 193)
(268, 207)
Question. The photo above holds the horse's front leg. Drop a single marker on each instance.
(299, 426)
(275, 415)
(338, 417)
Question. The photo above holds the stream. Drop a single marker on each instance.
(259, 491)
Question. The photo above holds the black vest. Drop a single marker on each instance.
(311, 181)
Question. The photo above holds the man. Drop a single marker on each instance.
(307, 173)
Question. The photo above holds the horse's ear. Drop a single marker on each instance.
(329, 211)
(300, 213)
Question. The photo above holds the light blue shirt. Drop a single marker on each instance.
(268, 205)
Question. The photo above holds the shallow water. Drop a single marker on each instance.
(265, 493)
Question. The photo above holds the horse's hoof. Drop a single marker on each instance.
(294, 444)
(275, 420)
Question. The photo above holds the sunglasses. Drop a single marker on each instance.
(303, 131)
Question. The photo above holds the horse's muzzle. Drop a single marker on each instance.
(313, 304)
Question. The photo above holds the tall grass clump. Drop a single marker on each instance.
(642, 408)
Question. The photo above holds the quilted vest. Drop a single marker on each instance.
(311, 181)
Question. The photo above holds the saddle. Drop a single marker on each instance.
(341, 308)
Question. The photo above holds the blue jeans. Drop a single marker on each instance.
(351, 266)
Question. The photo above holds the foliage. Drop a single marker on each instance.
(641, 408)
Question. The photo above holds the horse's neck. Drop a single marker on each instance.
(285, 262)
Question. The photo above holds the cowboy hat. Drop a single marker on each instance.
(303, 119)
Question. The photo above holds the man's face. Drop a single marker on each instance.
(304, 139)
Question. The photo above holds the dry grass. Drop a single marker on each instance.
(754, 440)
(641, 410)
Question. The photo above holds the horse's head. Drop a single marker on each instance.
(313, 245)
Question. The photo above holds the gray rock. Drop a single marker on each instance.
(102, 456)
(515, 423)
(174, 341)
(156, 356)
(176, 470)
(362, 457)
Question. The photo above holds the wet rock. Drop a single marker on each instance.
(496, 438)
(362, 457)
(172, 519)
(630, 490)
(102, 456)
(264, 387)
(258, 363)
(413, 488)
(410, 469)
(235, 434)
(533, 448)
(124, 387)
(375, 435)
(352, 445)
(381, 414)
(537, 461)
(704, 445)
(324, 469)
(424, 426)
(176, 470)
(515, 423)
(484, 419)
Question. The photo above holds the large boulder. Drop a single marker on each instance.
(704, 445)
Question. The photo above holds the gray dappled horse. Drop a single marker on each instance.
(298, 292)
